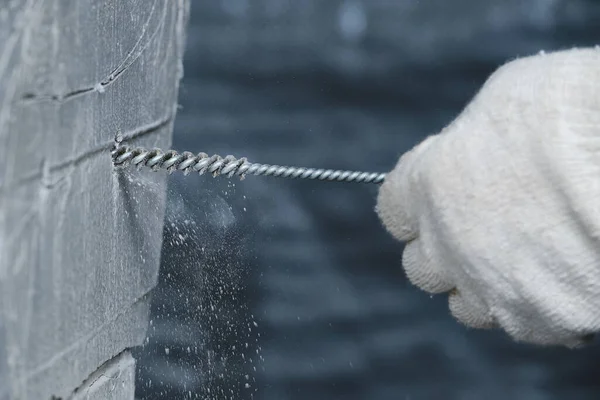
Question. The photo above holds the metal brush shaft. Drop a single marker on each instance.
(229, 166)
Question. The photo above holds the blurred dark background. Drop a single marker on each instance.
(273, 289)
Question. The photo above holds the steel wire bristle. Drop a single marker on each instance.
(229, 166)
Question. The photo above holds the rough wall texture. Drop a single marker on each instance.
(115, 379)
(79, 242)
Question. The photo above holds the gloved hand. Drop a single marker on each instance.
(502, 208)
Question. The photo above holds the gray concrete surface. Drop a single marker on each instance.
(79, 242)
(115, 379)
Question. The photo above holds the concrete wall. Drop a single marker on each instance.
(80, 242)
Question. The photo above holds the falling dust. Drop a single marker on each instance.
(203, 340)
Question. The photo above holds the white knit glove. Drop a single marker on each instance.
(502, 208)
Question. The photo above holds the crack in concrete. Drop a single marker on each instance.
(106, 146)
(132, 56)
(99, 374)
(85, 338)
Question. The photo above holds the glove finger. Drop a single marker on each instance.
(394, 204)
(422, 270)
(399, 194)
(469, 311)
(528, 326)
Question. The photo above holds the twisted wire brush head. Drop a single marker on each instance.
(229, 166)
